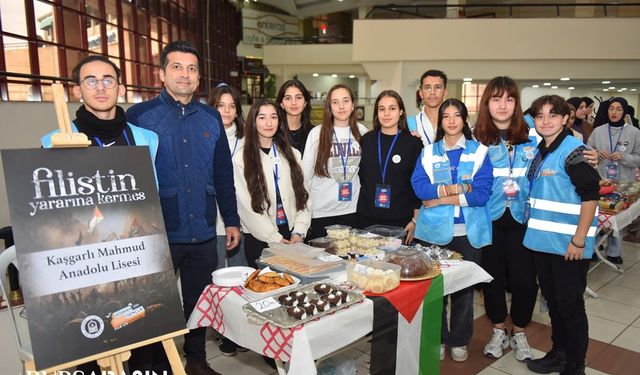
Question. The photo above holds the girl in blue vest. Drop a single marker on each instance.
(502, 128)
(561, 227)
(453, 178)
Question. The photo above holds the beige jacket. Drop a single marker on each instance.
(263, 226)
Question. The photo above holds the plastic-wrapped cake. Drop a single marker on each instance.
(413, 263)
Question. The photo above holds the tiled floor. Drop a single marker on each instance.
(614, 330)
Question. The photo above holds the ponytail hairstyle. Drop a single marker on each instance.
(253, 173)
(214, 99)
(326, 131)
(485, 131)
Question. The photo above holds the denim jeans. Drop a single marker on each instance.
(195, 262)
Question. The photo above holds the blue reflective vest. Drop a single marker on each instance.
(141, 136)
(522, 156)
(555, 206)
(436, 224)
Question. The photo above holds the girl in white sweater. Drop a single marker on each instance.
(273, 202)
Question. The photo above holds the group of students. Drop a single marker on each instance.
(517, 198)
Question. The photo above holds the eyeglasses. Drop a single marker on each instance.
(435, 88)
(91, 83)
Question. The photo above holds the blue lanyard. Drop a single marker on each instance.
(234, 148)
(613, 149)
(423, 129)
(126, 137)
(386, 162)
(275, 158)
(345, 159)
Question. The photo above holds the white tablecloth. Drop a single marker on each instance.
(221, 308)
(620, 220)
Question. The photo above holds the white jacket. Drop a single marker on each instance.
(263, 226)
(234, 145)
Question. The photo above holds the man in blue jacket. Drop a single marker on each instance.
(194, 171)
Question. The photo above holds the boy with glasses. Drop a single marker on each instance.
(97, 83)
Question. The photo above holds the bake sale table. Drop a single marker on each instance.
(222, 309)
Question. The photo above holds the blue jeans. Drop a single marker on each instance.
(195, 262)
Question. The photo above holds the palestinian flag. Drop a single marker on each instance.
(95, 220)
(406, 329)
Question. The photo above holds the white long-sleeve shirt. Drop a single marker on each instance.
(323, 190)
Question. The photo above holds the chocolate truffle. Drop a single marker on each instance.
(322, 305)
(286, 300)
(322, 288)
(296, 312)
(309, 308)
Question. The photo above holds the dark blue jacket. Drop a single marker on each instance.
(193, 166)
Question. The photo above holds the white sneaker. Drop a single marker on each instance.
(499, 341)
(442, 352)
(459, 353)
(520, 345)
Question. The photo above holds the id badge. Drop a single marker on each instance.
(612, 170)
(441, 172)
(383, 196)
(281, 216)
(527, 211)
(344, 191)
(510, 188)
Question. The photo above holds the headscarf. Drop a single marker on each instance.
(625, 109)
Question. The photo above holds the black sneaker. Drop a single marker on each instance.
(241, 349)
(554, 361)
(228, 347)
(571, 369)
(614, 260)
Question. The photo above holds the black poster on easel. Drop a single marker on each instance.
(92, 251)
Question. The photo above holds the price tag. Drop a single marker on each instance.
(265, 304)
(329, 258)
(362, 269)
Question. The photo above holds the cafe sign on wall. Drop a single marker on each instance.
(261, 27)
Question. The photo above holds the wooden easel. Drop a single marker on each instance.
(66, 138)
(112, 360)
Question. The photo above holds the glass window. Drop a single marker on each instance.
(16, 53)
(153, 22)
(13, 17)
(73, 36)
(142, 22)
(112, 11)
(74, 4)
(94, 36)
(127, 16)
(143, 45)
(48, 60)
(132, 77)
(45, 21)
(21, 90)
(93, 8)
(166, 32)
(73, 58)
(113, 48)
(129, 45)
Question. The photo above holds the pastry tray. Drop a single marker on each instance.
(279, 316)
